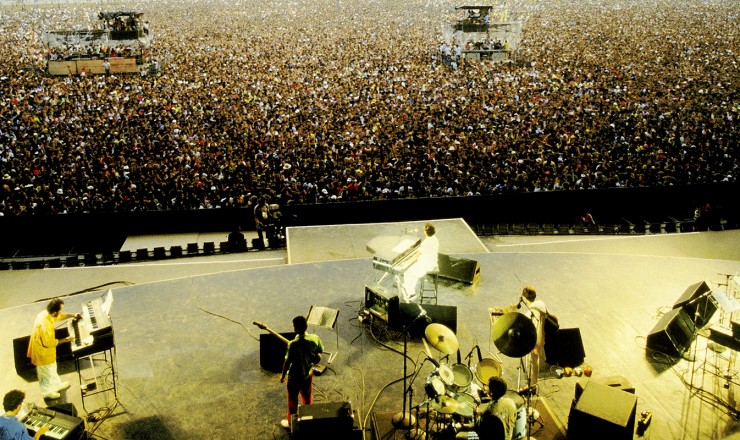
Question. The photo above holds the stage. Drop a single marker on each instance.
(187, 355)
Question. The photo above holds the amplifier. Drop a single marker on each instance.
(330, 420)
(379, 301)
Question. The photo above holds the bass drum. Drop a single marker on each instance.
(463, 376)
(520, 427)
(520, 423)
(486, 369)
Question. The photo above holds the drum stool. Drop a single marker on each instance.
(429, 287)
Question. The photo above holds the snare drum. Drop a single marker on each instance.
(463, 376)
(486, 369)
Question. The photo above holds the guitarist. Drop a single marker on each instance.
(302, 354)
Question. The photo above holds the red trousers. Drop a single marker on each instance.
(296, 387)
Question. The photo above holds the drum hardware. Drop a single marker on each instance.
(444, 404)
(434, 387)
(465, 405)
(447, 375)
(441, 338)
(515, 335)
(462, 376)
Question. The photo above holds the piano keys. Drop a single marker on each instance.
(92, 333)
(61, 426)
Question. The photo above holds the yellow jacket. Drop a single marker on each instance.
(42, 348)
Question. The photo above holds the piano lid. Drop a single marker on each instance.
(391, 247)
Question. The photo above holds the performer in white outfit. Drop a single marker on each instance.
(429, 250)
(537, 312)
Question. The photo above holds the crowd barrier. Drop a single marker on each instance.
(643, 210)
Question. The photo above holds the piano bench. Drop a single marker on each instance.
(429, 287)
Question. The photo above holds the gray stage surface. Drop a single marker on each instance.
(188, 356)
(342, 242)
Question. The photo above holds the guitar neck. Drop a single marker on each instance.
(271, 331)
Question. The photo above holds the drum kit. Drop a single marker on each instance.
(456, 393)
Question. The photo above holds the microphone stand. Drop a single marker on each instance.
(528, 374)
(406, 419)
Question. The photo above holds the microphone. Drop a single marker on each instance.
(519, 304)
(422, 314)
(434, 362)
(480, 358)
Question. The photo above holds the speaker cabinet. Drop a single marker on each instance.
(23, 365)
(673, 334)
(272, 351)
(565, 348)
(407, 313)
(330, 420)
(618, 382)
(700, 310)
(458, 269)
(604, 412)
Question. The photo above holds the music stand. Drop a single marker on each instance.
(327, 318)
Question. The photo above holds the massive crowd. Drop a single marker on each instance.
(306, 102)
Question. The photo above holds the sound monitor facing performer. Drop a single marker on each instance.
(700, 306)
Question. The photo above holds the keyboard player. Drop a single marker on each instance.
(10, 426)
(42, 348)
(427, 261)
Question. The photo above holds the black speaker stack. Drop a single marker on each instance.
(272, 351)
(675, 330)
(565, 348)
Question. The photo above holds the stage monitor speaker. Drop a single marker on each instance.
(458, 269)
(408, 313)
(272, 351)
(618, 382)
(673, 334)
(324, 420)
(699, 309)
(566, 348)
(602, 411)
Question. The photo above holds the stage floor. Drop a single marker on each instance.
(188, 356)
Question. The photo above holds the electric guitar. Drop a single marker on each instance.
(269, 330)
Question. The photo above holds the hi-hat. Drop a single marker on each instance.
(514, 334)
(444, 404)
(441, 338)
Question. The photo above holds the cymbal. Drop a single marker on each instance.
(441, 338)
(514, 334)
(444, 404)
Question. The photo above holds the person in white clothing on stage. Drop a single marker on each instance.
(427, 261)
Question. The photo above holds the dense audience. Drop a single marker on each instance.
(306, 102)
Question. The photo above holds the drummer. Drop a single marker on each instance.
(503, 410)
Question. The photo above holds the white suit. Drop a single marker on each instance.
(429, 250)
